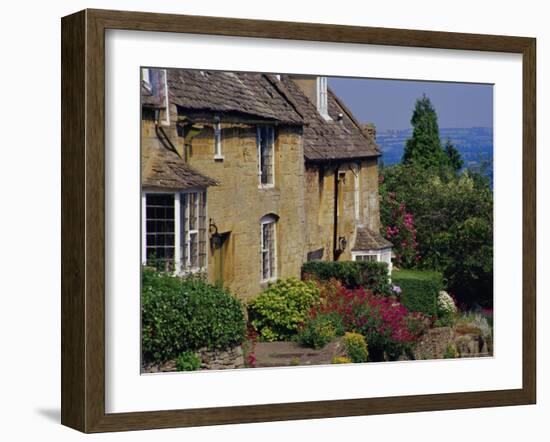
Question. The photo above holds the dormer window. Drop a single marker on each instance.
(322, 97)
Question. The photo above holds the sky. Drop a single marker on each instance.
(389, 103)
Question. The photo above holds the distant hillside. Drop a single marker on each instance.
(475, 144)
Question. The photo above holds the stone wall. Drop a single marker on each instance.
(237, 205)
(210, 360)
(319, 204)
(221, 359)
(302, 198)
(441, 340)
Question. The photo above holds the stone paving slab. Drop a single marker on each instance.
(280, 354)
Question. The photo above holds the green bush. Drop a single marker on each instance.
(419, 289)
(341, 360)
(369, 275)
(188, 361)
(356, 347)
(180, 314)
(278, 311)
(318, 331)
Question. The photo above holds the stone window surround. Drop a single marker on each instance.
(271, 250)
(218, 155)
(271, 143)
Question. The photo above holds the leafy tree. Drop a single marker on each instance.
(453, 219)
(424, 148)
(453, 156)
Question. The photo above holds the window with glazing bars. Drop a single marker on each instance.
(268, 252)
(193, 231)
(370, 258)
(160, 237)
(266, 141)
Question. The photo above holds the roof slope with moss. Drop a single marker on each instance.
(246, 94)
(163, 169)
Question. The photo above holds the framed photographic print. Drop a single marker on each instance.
(268, 221)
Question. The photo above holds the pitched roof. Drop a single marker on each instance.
(338, 139)
(264, 97)
(246, 94)
(366, 239)
(162, 169)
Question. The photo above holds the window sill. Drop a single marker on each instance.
(266, 186)
(265, 282)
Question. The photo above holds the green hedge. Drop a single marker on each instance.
(186, 314)
(419, 289)
(369, 275)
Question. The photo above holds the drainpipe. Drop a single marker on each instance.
(335, 248)
(162, 136)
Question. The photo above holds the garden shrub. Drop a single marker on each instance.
(356, 347)
(382, 320)
(445, 304)
(450, 352)
(419, 289)
(188, 361)
(319, 330)
(278, 311)
(180, 314)
(369, 275)
(341, 360)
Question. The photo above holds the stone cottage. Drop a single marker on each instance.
(247, 176)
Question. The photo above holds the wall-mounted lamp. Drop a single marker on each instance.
(342, 242)
(215, 237)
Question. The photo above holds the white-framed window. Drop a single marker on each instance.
(218, 155)
(265, 137)
(322, 97)
(175, 231)
(193, 231)
(367, 257)
(146, 78)
(268, 248)
(382, 255)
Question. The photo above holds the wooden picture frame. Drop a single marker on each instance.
(83, 220)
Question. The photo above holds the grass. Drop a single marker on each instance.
(421, 275)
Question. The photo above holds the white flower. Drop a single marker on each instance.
(445, 303)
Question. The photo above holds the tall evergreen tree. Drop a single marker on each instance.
(424, 148)
(453, 156)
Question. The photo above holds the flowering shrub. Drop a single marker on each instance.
(249, 348)
(474, 323)
(399, 229)
(383, 321)
(278, 312)
(445, 304)
(356, 347)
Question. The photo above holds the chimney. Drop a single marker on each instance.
(315, 89)
(308, 85)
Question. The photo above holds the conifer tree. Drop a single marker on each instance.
(453, 156)
(424, 147)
